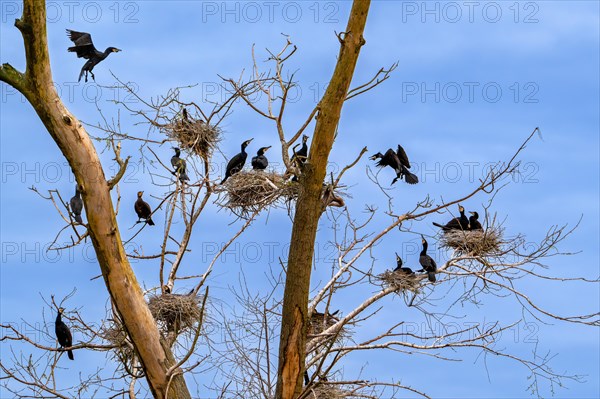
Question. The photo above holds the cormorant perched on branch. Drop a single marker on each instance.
(179, 165)
(473, 222)
(427, 262)
(391, 159)
(299, 158)
(237, 162)
(458, 223)
(260, 162)
(76, 206)
(63, 334)
(85, 49)
(143, 210)
(399, 268)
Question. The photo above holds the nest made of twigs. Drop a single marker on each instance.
(123, 349)
(196, 136)
(248, 192)
(486, 242)
(327, 391)
(320, 322)
(175, 312)
(399, 280)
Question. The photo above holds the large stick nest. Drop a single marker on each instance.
(400, 281)
(474, 242)
(246, 193)
(327, 391)
(194, 135)
(174, 312)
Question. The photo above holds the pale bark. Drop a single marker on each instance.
(77, 147)
(309, 209)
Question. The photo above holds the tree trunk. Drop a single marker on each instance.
(76, 145)
(309, 208)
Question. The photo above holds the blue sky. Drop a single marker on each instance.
(471, 84)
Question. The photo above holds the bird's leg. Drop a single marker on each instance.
(86, 76)
(93, 77)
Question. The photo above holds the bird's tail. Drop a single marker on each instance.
(183, 177)
(224, 179)
(70, 354)
(410, 178)
(431, 276)
(150, 221)
(78, 219)
(439, 225)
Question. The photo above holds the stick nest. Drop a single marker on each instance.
(174, 312)
(194, 135)
(400, 281)
(115, 334)
(475, 242)
(246, 193)
(327, 391)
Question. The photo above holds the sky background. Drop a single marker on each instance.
(471, 84)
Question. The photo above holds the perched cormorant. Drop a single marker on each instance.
(299, 158)
(236, 163)
(473, 222)
(185, 115)
(85, 49)
(391, 159)
(63, 334)
(76, 206)
(406, 270)
(427, 262)
(179, 165)
(143, 210)
(458, 223)
(260, 162)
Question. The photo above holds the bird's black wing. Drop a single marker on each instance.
(402, 157)
(84, 47)
(389, 159)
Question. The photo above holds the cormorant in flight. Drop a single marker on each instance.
(76, 206)
(143, 210)
(473, 222)
(63, 334)
(397, 161)
(85, 49)
(179, 165)
(458, 223)
(427, 262)
(236, 163)
(260, 161)
(405, 270)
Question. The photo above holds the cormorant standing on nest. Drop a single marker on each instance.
(299, 158)
(473, 222)
(185, 115)
(391, 159)
(143, 210)
(405, 270)
(63, 334)
(76, 206)
(179, 165)
(427, 262)
(85, 49)
(260, 162)
(459, 223)
(236, 163)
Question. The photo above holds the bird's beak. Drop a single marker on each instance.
(117, 50)
(266, 148)
(472, 213)
(248, 141)
(374, 157)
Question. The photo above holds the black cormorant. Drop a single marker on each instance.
(85, 49)
(260, 162)
(473, 222)
(76, 206)
(236, 163)
(63, 334)
(399, 268)
(427, 262)
(458, 223)
(390, 158)
(299, 158)
(143, 210)
(410, 178)
(179, 165)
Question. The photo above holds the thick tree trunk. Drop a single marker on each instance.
(75, 144)
(309, 209)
